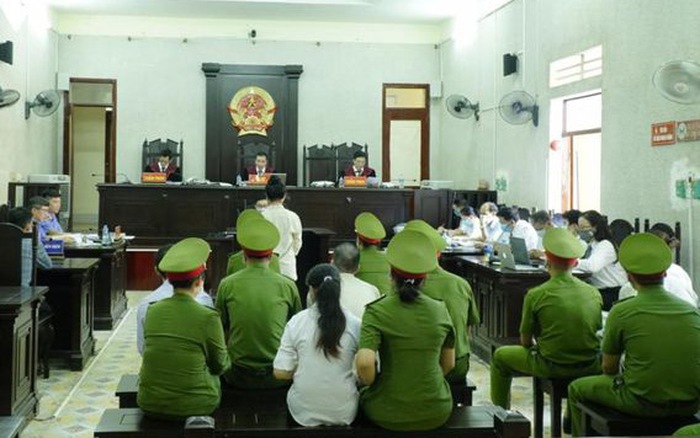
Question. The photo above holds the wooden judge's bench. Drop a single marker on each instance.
(164, 213)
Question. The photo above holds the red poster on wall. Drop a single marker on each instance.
(663, 134)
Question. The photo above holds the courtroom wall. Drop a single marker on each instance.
(161, 88)
(637, 36)
(26, 146)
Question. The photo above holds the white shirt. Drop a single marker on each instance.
(324, 391)
(164, 291)
(522, 230)
(355, 294)
(289, 226)
(492, 228)
(677, 282)
(603, 265)
(471, 227)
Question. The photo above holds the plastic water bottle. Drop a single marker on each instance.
(401, 181)
(105, 235)
(341, 182)
(488, 252)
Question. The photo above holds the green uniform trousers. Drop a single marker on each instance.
(692, 430)
(507, 361)
(610, 391)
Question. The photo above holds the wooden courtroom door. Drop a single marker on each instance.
(406, 133)
(89, 145)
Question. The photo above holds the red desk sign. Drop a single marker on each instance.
(154, 177)
(258, 180)
(355, 181)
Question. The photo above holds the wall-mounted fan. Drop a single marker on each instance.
(44, 104)
(8, 97)
(518, 107)
(461, 107)
(679, 81)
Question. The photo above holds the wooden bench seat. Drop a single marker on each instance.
(129, 384)
(10, 427)
(463, 393)
(601, 420)
(472, 421)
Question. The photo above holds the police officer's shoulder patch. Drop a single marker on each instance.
(376, 301)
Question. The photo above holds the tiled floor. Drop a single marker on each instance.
(72, 402)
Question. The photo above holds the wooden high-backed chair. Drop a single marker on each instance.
(319, 163)
(151, 151)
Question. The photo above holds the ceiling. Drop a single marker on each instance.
(429, 12)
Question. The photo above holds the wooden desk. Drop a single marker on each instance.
(19, 337)
(110, 281)
(499, 295)
(71, 296)
(177, 211)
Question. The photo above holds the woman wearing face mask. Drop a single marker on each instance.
(469, 225)
(601, 257)
(490, 225)
(317, 351)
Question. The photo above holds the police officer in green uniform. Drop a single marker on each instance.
(660, 337)
(374, 269)
(414, 337)
(182, 362)
(255, 305)
(457, 295)
(562, 315)
(236, 261)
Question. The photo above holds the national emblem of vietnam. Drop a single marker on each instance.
(252, 111)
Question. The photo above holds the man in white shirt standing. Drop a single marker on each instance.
(513, 226)
(355, 294)
(165, 290)
(288, 224)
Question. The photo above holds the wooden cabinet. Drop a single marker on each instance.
(71, 297)
(19, 329)
(110, 281)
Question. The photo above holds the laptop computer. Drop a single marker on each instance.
(281, 176)
(508, 260)
(521, 253)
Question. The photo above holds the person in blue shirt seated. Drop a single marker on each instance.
(22, 217)
(165, 290)
(52, 226)
(39, 207)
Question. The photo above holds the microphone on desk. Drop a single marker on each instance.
(126, 178)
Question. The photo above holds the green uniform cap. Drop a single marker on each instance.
(185, 256)
(247, 215)
(367, 225)
(412, 252)
(423, 227)
(258, 234)
(561, 243)
(645, 254)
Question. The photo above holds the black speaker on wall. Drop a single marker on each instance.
(6, 52)
(510, 64)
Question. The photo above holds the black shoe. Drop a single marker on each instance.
(566, 425)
